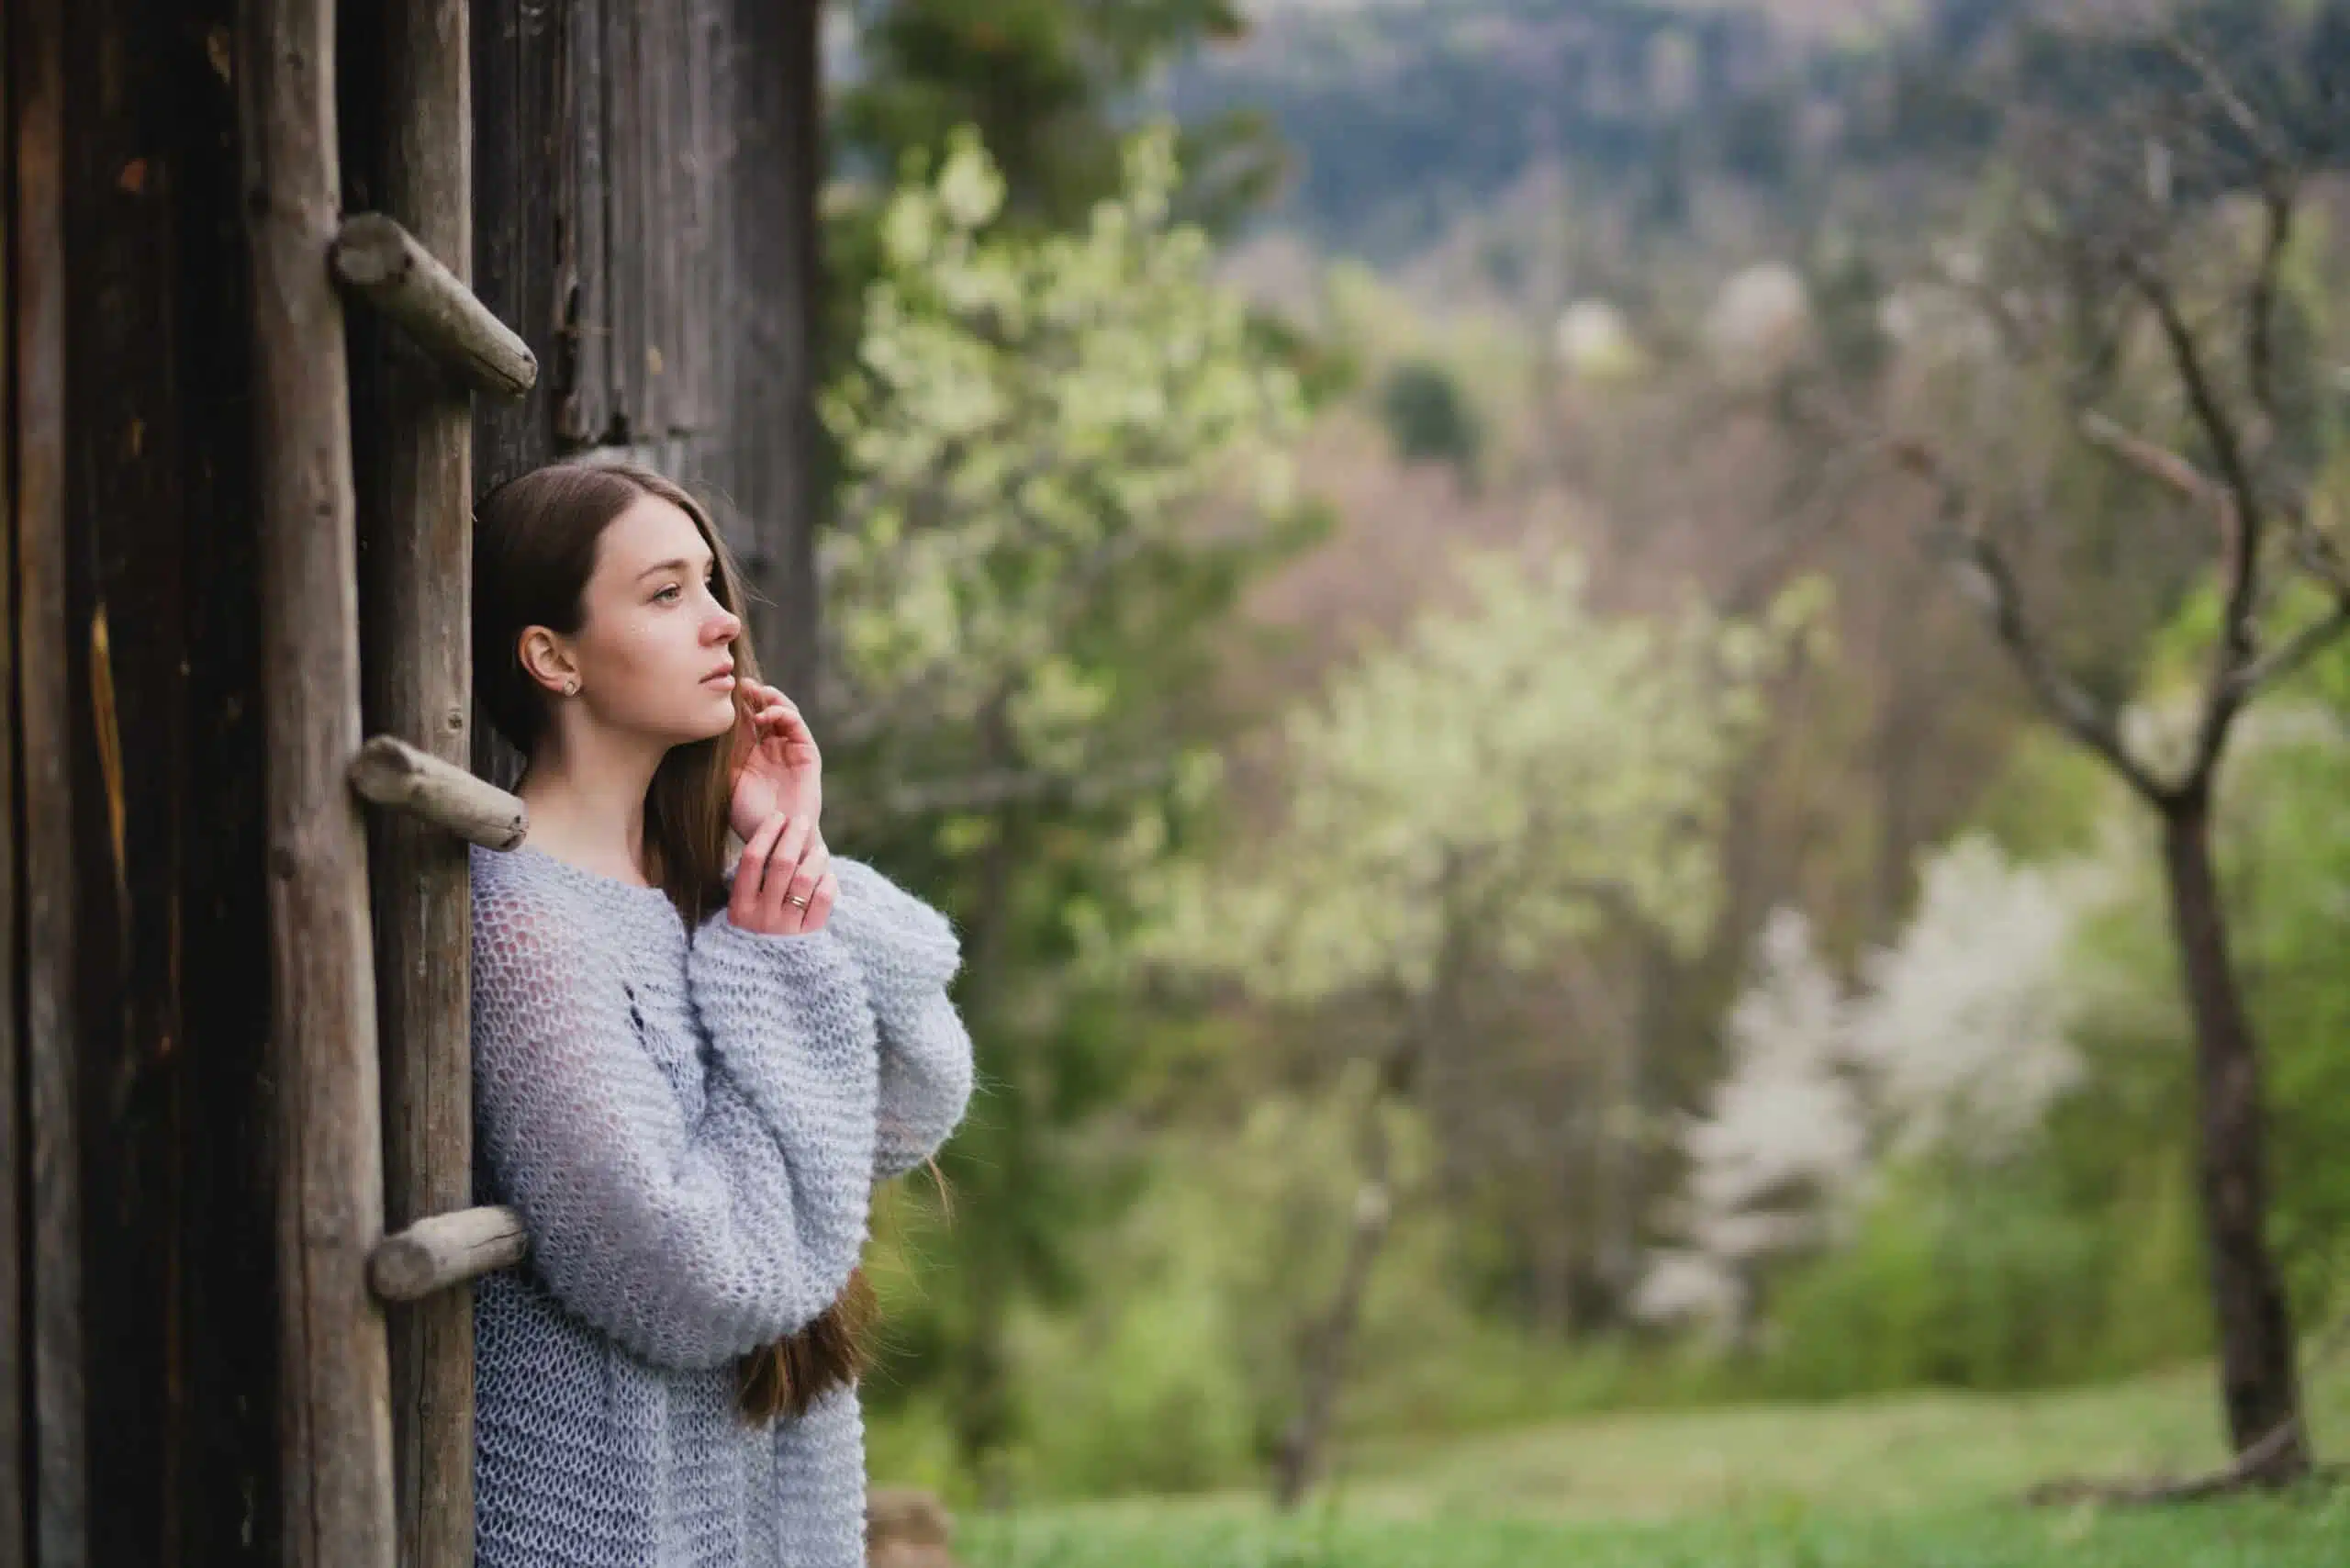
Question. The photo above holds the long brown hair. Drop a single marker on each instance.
(534, 547)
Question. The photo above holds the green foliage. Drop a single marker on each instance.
(2086, 1258)
(1043, 82)
(1521, 768)
(1026, 427)
(1957, 1280)
(1176, 1369)
(2257, 1533)
(1061, 455)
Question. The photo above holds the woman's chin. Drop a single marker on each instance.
(716, 713)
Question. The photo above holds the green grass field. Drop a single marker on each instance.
(1923, 1480)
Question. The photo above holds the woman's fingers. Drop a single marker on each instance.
(814, 862)
(820, 906)
(743, 906)
(783, 866)
(785, 860)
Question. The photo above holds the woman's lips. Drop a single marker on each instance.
(723, 680)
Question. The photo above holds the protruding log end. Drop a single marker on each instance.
(392, 773)
(446, 1249)
(385, 265)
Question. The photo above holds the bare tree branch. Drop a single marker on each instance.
(2280, 180)
(2314, 550)
(2157, 462)
(2260, 305)
(2224, 692)
(2219, 428)
(2279, 157)
(2086, 719)
(2294, 652)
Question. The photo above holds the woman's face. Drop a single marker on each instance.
(651, 653)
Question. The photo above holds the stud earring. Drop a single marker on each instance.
(571, 685)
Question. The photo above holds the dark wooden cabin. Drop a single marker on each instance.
(238, 501)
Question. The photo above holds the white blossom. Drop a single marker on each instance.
(1961, 1027)
(1956, 1040)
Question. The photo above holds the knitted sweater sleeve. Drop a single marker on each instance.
(689, 1241)
(907, 953)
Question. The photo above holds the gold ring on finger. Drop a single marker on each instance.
(802, 902)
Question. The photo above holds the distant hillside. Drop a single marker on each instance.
(1403, 116)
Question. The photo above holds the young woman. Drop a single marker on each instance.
(687, 1074)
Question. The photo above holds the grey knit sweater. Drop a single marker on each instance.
(690, 1125)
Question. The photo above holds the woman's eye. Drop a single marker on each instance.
(672, 589)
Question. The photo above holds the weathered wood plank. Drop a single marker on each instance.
(721, 146)
(522, 51)
(438, 794)
(415, 513)
(696, 406)
(58, 1473)
(130, 554)
(583, 408)
(628, 235)
(770, 405)
(397, 275)
(669, 242)
(334, 1397)
(426, 1258)
(224, 1399)
(15, 1418)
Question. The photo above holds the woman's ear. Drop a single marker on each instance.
(547, 661)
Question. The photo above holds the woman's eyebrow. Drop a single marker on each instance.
(679, 565)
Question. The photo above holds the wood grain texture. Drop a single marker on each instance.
(16, 1418)
(397, 274)
(334, 1394)
(653, 173)
(446, 1249)
(59, 1468)
(414, 463)
(440, 794)
(170, 999)
(523, 177)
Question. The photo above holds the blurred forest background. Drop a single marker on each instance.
(1630, 704)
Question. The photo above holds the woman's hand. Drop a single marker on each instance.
(777, 769)
(784, 884)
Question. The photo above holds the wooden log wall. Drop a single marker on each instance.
(406, 103)
(659, 162)
(134, 873)
(334, 1397)
(643, 201)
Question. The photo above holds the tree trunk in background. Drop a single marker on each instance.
(1325, 1353)
(1434, 1021)
(2260, 1386)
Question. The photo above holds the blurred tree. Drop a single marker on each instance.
(1429, 418)
(1505, 781)
(2148, 282)
(1061, 455)
(1050, 86)
(1952, 1049)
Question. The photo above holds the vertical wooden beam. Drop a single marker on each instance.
(415, 511)
(773, 294)
(14, 1419)
(334, 1394)
(59, 1471)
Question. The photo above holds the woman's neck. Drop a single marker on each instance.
(591, 816)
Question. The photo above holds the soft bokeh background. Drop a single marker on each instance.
(1519, 633)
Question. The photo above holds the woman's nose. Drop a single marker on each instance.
(725, 627)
